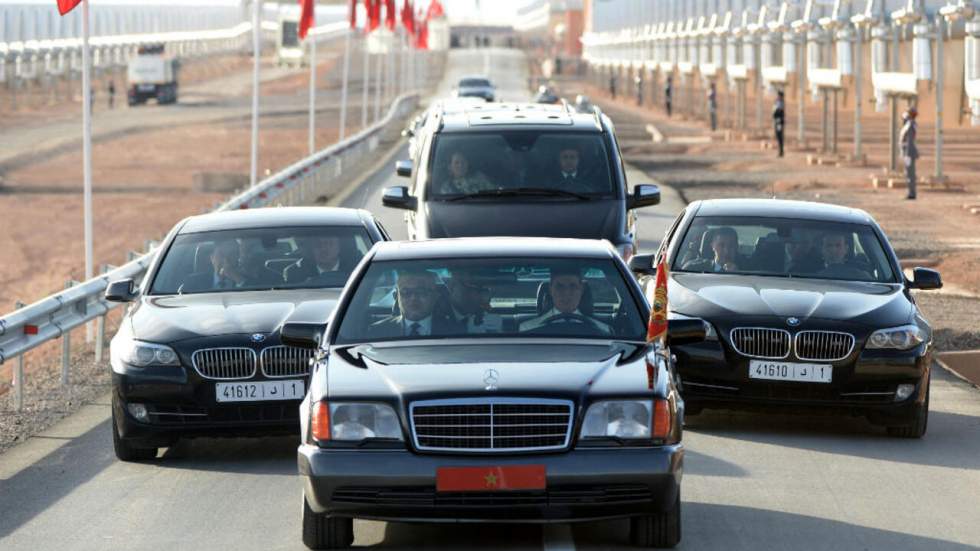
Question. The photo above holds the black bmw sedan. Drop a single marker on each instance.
(198, 353)
(807, 305)
(491, 380)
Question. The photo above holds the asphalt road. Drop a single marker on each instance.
(752, 481)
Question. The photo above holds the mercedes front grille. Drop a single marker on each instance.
(491, 424)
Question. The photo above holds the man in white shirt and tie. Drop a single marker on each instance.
(417, 295)
(566, 288)
(568, 159)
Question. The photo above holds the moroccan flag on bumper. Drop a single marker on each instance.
(657, 327)
(305, 17)
(65, 6)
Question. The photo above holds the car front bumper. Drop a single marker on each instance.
(582, 484)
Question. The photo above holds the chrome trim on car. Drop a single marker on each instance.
(719, 387)
(283, 361)
(491, 438)
(831, 342)
(225, 363)
(764, 351)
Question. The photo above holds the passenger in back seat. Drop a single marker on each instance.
(469, 299)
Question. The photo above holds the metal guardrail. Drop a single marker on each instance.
(320, 174)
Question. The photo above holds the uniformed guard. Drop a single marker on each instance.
(668, 93)
(713, 106)
(779, 119)
(910, 152)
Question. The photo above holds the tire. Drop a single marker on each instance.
(661, 531)
(126, 451)
(323, 532)
(918, 422)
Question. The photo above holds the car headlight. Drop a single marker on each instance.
(142, 354)
(354, 422)
(627, 420)
(896, 338)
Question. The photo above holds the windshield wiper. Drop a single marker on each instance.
(519, 192)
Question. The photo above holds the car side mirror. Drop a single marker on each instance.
(302, 335)
(644, 195)
(123, 290)
(925, 279)
(403, 168)
(685, 331)
(398, 198)
(642, 265)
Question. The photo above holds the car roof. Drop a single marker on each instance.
(478, 117)
(276, 216)
(535, 247)
(782, 208)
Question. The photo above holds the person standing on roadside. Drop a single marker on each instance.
(779, 119)
(910, 152)
(638, 80)
(612, 85)
(713, 106)
(668, 93)
(111, 89)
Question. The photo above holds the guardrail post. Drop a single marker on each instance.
(66, 347)
(19, 373)
(100, 328)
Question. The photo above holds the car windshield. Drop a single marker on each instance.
(513, 161)
(784, 248)
(474, 82)
(499, 297)
(261, 258)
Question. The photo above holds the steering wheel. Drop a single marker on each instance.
(570, 317)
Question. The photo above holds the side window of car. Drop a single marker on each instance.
(669, 236)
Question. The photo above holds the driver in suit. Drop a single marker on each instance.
(565, 289)
(418, 317)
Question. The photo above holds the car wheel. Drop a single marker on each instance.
(662, 531)
(918, 422)
(323, 532)
(126, 451)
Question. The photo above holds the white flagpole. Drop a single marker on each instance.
(312, 39)
(343, 87)
(366, 80)
(256, 54)
(87, 150)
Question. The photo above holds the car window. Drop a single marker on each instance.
(784, 247)
(468, 163)
(261, 258)
(474, 82)
(482, 297)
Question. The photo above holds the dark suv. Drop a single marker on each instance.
(520, 170)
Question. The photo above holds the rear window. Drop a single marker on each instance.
(498, 297)
(473, 82)
(470, 163)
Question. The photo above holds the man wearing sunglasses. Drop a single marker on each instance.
(469, 297)
(417, 294)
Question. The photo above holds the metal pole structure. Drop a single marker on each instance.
(256, 53)
(87, 149)
(378, 83)
(366, 82)
(824, 120)
(312, 136)
(19, 374)
(892, 138)
(66, 345)
(940, 61)
(342, 132)
(858, 84)
(801, 92)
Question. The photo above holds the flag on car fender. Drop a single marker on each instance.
(65, 6)
(352, 13)
(305, 17)
(657, 326)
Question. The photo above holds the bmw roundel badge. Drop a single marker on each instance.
(793, 322)
(258, 337)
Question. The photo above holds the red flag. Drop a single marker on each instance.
(435, 10)
(390, 15)
(408, 17)
(352, 15)
(305, 17)
(373, 8)
(657, 327)
(65, 6)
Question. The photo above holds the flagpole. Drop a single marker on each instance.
(378, 82)
(312, 39)
(256, 53)
(366, 81)
(343, 87)
(87, 150)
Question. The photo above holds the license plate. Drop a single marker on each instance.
(146, 87)
(789, 371)
(260, 391)
(490, 479)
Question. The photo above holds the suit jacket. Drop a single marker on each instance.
(393, 326)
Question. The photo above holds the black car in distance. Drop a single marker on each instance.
(475, 87)
(519, 170)
(198, 353)
(491, 380)
(808, 306)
